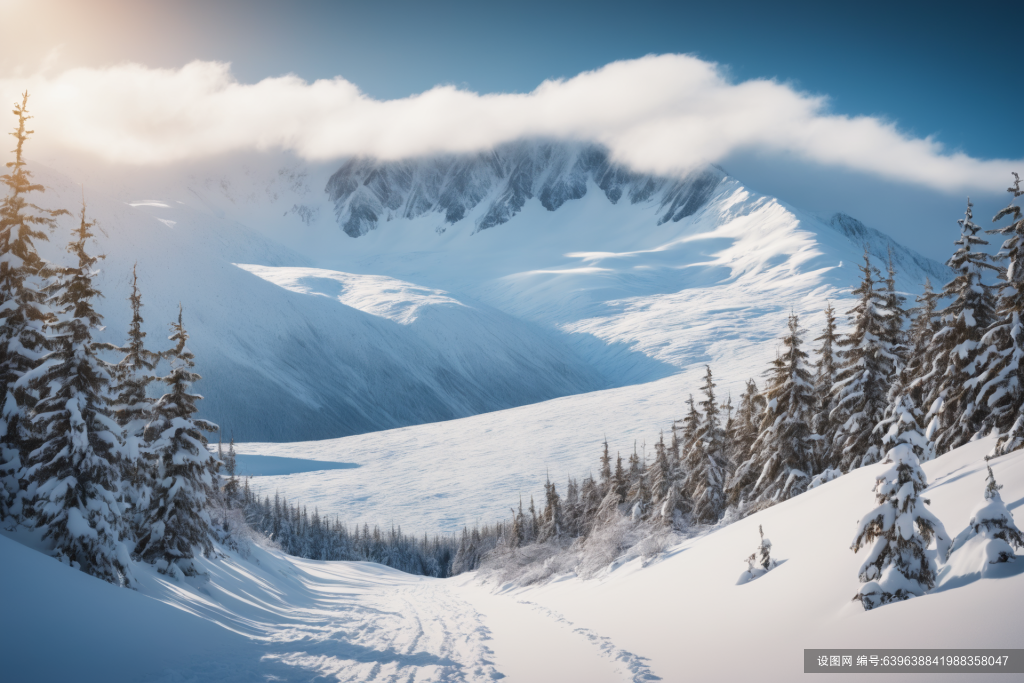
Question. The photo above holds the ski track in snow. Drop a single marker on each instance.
(631, 666)
(420, 633)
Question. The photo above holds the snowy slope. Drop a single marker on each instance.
(682, 617)
(326, 358)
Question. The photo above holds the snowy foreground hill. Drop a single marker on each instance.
(680, 617)
(326, 302)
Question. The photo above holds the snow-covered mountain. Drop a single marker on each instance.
(472, 284)
(500, 182)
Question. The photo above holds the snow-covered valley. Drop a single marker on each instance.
(680, 617)
(417, 358)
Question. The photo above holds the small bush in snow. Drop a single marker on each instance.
(761, 557)
(991, 534)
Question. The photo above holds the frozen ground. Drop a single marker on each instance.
(682, 617)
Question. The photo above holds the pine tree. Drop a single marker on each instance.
(923, 327)
(705, 462)
(76, 471)
(824, 399)
(728, 434)
(230, 465)
(993, 522)
(896, 322)
(1002, 380)
(866, 365)
(177, 521)
(619, 481)
(133, 408)
(22, 314)
(899, 530)
(781, 458)
(606, 466)
(749, 414)
(954, 415)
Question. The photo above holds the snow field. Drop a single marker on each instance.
(681, 617)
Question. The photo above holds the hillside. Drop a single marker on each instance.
(682, 616)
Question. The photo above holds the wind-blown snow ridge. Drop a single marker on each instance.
(374, 294)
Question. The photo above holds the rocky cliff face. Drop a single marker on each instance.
(490, 188)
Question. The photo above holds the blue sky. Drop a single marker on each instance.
(944, 69)
(934, 70)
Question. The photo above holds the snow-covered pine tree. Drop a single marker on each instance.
(177, 521)
(659, 476)
(899, 530)
(620, 481)
(76, 472)
(896, 322)
(22, 314)
(781, 458)
(866, 362)
(747, 424)
(638, 497)
(923, 326)
(824, 399)
(1002, 388)
(953, 412)
(705, 461)
(728, 433)
(230, 468)
(993, 522)
(132, 376)
(551, 517)
(690, 426)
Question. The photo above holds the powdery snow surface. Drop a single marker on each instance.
(682, 617)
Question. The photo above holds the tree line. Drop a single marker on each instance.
(899, 384)
(109, 474)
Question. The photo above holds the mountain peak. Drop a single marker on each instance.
(491, 187)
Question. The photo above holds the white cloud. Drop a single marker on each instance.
(660, 113)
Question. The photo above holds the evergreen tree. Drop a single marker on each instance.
(619, 481)
(822, 425)
(1002, 380)
(954, 414)
(993, 522)
(551, 526)
(866, 365)
(76, 471)
(22, 314)
(230, 465)
(896, 322)
(133, 409)
(705, 461)
(749, 414)
(899, 530)
(781, 458)
(177, 521)
(728, 434)
(923, 326)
